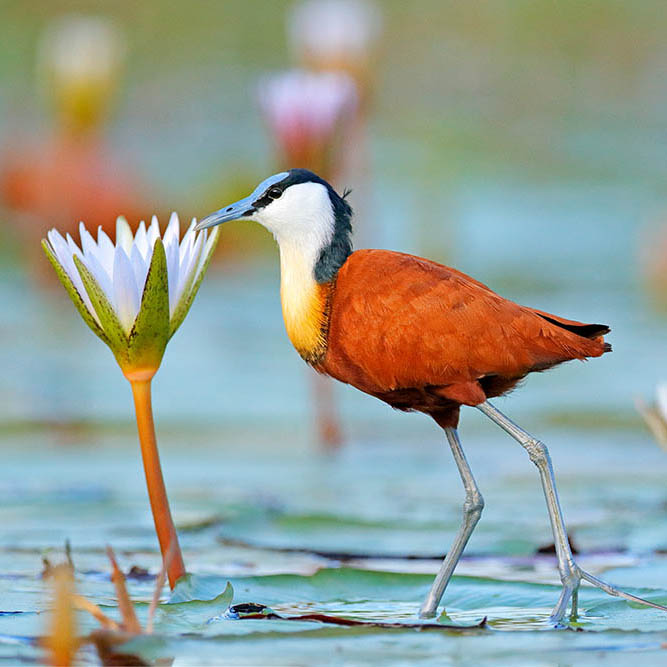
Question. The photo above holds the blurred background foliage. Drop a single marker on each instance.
(546, 89)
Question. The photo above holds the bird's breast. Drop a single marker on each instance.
(305, 304)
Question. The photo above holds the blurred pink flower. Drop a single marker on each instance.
(307, 114)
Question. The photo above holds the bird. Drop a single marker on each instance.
(418, 335)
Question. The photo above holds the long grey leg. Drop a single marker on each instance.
(472, 510)
(570, 573)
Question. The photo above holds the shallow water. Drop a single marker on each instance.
(238, 508)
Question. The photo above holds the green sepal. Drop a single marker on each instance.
(150, 333)
(117, 340)
(190, 290)
(73, 293)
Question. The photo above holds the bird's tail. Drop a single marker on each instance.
(590, 331)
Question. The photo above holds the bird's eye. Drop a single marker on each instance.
(274, 193)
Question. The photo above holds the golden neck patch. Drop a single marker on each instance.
(305, 304)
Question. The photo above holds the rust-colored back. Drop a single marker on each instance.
(422, 336)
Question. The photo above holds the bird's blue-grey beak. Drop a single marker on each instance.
(241, 209)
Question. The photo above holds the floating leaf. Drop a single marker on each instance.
(192, 588)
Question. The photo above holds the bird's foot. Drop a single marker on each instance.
(571, 580)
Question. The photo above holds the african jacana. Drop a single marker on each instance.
(418, 335)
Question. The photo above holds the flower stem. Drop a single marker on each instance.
(157, 493)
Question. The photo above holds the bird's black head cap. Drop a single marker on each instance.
(332, 256)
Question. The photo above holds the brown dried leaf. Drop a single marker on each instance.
(129, 616)
(84, 604)
(62, 642)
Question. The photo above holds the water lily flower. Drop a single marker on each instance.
(308, 114)
(134, 295)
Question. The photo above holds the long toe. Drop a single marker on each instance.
(611, 590)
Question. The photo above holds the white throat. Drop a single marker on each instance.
(302, 222)
(297, 279)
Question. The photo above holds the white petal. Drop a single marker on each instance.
(74, 248)
(92, 255)
(139, 268)
(184, 262)
(153, 231)
(126, 299)
(189, 266)
(123, 234)
(171, 250)
(208, 246)
(188, 240)
(88, 244)
(75, 251)
(141, 240)
(61, 251)
(173, 273)
(186, 250)
(106, 251)
(173, 231)
(102, 278)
